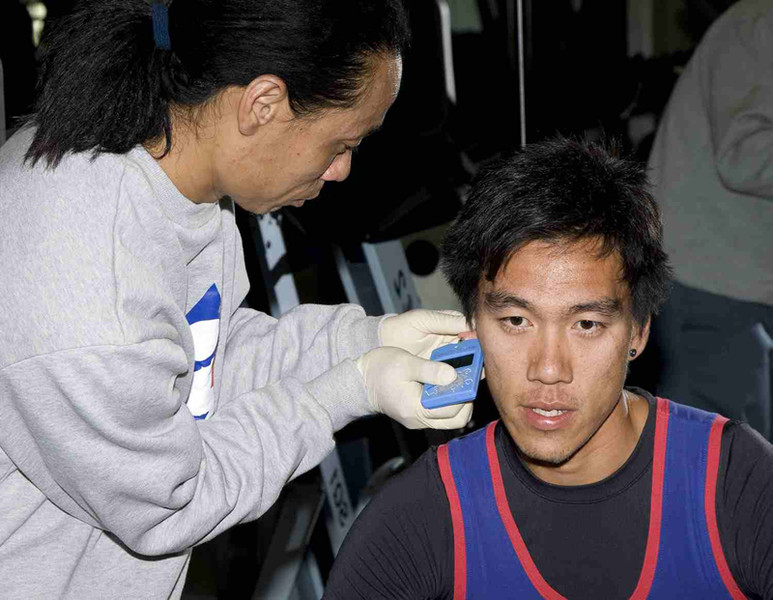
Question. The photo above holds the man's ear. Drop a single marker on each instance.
(263, 100)
(641, 334)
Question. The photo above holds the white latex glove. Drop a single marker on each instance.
(393, 380)
(420, 331)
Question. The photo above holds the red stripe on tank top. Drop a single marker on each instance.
(512, 529)
(656, 502)
(457, 522)
(712, 471)
(656, 511)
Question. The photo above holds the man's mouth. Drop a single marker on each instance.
(549, 413)
(547, 417)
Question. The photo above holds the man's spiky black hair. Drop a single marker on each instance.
(559, 190)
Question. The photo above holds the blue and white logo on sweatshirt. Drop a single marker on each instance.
(204, 319)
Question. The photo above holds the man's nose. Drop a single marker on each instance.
(549, 359)
(340, 167)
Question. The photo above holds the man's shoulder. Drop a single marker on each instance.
(409, 501)
(420, 487)
(744, 498)
(741, 436)
(416, 485)
(742, 444)
(401, 544)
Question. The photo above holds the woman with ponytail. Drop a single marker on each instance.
(143, 409)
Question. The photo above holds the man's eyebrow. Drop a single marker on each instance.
(500, 300)
(608, 307)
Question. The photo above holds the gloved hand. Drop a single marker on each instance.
(392, 380)
(420, 331)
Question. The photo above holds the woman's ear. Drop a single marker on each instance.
(263, 100)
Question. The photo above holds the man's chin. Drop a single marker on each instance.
(539, 453)
(546, 458)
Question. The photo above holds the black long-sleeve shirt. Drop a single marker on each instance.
(587, 541)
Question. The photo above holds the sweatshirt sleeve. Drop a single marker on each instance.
(302, 344)
(103, 433)
(739, 79)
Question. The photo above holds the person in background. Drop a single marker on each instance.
(144, 409)
(585, 488)
(711, 169)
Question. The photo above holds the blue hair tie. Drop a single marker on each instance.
(161, 26)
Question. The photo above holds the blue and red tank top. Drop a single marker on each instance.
(683, 556)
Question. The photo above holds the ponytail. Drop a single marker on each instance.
(108, 82)
(104, 86)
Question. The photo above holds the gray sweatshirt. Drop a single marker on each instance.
(712, 160)
(142, 410)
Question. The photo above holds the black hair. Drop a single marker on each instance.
(104, 86)
(560, 190)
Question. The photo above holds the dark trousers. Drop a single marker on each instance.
(716, 355)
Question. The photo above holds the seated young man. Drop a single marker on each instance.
(584, 489)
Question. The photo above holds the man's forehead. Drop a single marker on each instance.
(566, 258)
(558, 274)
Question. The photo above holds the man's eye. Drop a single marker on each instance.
(515, 322)
(588, 326)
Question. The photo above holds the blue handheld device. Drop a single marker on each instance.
(467, 358)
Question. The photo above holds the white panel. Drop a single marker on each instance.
(341, 514)
(346, 276)
(393, 278)
(448, 55)
(286, 294)
(273, 242)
